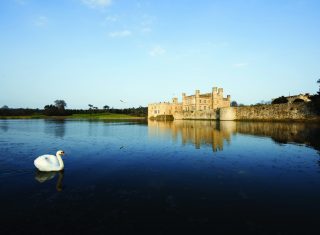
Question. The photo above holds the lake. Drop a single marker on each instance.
(160, 177)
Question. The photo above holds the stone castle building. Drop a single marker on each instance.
(197, 102)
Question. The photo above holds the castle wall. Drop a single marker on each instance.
(295, 111)
(227, 114)
(164, 108)
(274, 112)
(197, 115)
(159, 109)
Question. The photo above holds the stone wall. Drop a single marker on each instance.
(197, 115)
(295, 111)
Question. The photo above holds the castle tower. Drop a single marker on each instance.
(175, 100)
(214, 89)
(184, 101)
(214, 97)
(197, 100)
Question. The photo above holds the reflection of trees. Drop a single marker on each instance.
(4, 125)
(215, 133)
(196, 133)
(283, 132)
(56, 127)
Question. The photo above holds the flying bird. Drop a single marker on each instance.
(122, 101)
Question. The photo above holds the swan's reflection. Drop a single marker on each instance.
(42, 177)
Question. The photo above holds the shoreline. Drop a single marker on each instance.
(75, 117)
(309, 120)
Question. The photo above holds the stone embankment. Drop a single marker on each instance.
(275, 112)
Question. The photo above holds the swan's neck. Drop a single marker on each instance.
(61, 165)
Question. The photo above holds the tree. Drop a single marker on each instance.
(298, 100)
(60, 104)
(234, 104)
(58, 109)
(280, 100)
(90, 106)
(319, 86)
(106, 107)
(5, 107)
(51, 110)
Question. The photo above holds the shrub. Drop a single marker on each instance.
(280, 100)
(298, 100)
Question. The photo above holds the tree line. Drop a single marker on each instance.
(58, 108)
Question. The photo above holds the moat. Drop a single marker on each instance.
(161, 177)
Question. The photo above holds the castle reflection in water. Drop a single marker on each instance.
(209, 133)
(217, 133)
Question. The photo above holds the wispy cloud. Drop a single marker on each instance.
(240, 65)
(146, 24)
(21, 2)
(120, 34)
(97, 3)
(146, 30)
(157, 51)
(112, 18)
(41, 21)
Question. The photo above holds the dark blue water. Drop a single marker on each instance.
(160, 178)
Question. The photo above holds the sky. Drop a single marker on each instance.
(144, 51)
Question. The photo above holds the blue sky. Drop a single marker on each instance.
(102, 51)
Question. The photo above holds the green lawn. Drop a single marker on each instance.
(100, 116)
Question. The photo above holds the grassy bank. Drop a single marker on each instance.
(100, 116)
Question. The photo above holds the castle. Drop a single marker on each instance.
(197, 102)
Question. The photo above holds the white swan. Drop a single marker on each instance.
(50, 162)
